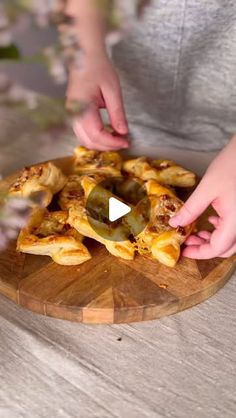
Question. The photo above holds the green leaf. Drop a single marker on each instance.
(10, 52)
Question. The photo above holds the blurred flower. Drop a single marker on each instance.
(41, 10)
(4, 21)
(5, 33)
(49, 11)
(5, 38)
(31, 100)
(5, 82)
(14, 214)
(70, 48)
(56, 64)
(58, 71)
(121, 17)
(17, 94)
(66, 53)
(68, 37)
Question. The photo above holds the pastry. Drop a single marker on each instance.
(44, 178)
(72, 194)
(165, 172)
(50, 234)
(117, 244)
(102, 162)
(158, 239)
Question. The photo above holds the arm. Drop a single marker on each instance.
(96, 82)
(89, 25)
(217, 188)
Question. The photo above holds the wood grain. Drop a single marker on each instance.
(106, 289)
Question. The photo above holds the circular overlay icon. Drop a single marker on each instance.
(118, 208)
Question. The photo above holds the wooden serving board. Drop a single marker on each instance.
(106, 289)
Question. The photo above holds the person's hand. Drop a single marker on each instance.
(97, 85)
(218, 188)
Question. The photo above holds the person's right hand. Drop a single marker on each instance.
(97, 85)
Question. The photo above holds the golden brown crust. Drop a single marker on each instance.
(50, 234)
(165, 172)
(158, 239)
(46, 178)
(156, 189)
(78, 218)
(102, 162)
(72, 193)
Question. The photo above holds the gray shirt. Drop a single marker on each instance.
(178, 74)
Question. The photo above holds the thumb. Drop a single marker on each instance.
(197, 203)
(115, 107)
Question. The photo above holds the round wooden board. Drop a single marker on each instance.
(107, 289)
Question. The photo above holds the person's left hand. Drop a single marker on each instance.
(217, 188)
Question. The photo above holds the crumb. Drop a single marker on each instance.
(181, 230)
(119, 339)
(163, 285)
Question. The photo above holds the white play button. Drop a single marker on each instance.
(117, 209)
(115, 212)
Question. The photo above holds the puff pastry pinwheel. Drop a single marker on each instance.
(50, 234)
(46, 178)
(115, 242)
(89, 161)
(158, 238)
(166, 172)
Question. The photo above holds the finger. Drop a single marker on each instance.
(93, 126)
(214, 220)
(84, 139)
(206, 235)
(230, 252)
(194, 240)
(221, 241)
(115, 108)
(194, 207)
(93, 129)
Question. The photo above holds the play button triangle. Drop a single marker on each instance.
(117, 209)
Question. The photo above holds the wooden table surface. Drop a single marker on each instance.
(178, 367)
